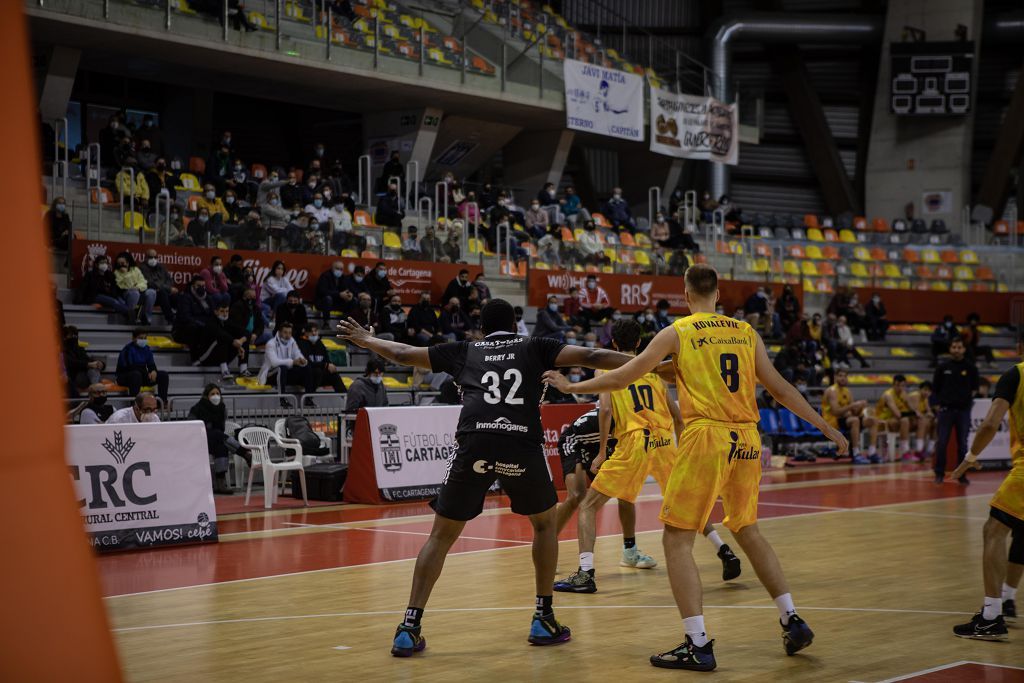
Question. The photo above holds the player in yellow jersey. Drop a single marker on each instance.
(1007, 506)
(893, 413)
(718, 362)
(843, 413)
(646, 423)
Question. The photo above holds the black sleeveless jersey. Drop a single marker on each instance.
(500, 380)
(581, 440)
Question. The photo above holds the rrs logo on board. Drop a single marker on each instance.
(636, 294)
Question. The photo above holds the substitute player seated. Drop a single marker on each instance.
(843, 413)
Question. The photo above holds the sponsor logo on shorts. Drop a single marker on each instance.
(505, 469)
(651, 443)
(503, 424)
(482, 467)
(738, 451)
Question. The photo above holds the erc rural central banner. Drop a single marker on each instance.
(604, 101)
(694, 127)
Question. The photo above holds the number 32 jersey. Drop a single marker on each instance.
(500, 380)
(715, 369)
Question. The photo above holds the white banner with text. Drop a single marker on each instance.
(142, 485)
(694, 127)
(604, 101)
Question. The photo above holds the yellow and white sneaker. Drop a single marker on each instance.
(634, 557)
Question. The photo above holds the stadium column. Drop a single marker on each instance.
(995, 184)
(426, 136)
(536, 157)
(60, 78)
(909, 156)
(53, 626)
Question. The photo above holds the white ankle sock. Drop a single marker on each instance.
(872, 450)
(1009, 592)
(919, 445)
(716, 539)
(694, 627)
(224, 369)
(786, 609)
(992, 609)
(586, 561)
(905, 445)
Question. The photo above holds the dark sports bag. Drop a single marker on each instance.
(297, 427)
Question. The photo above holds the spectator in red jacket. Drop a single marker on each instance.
(218, 288)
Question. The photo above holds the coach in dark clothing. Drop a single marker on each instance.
(422, 321)
(328, 289)
(292, 311)
(954, 384)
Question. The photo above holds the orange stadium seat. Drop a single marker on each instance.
(880, 225)
(1001, 228)
(911, 256)
(830, 235)
(949, 256)
(795, 251)
(811, 221)
(984, 273)
(831, 253)
(196, 165)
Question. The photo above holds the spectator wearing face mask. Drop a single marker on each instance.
(199, 230)
(218, 168)
(283, 356)
(193, 311)
(378, 284)
(556, 397)
(274, 216)
(971, 335)
(572, 308)
(94, 411)
(276, 286)
(218, 288)
(356, 282)
(589, 245)
(364, 313)
(247, 315)
(550, 322)
(367, 391)
(594, 300)
(239, 181)
(226, 342)
(160, 281)
(136, 366)
(647, 320)
(454, 321)
(82, 370)
(215, 209)
(161, 180)
(392, 169)
(660, 231)
(328, 290)
(459, 288)
(129, 280)
(124, 186)
(572, 208)
(876, 322)
(145, 155)
(323, 371)
(661, 317)
(211, 411)
(291, 191)
(251, 234)
(941, 337)
(616, 210)
(60, 224)
(235, 211)
(452, 248)
(345, 236)
(521, 329)
(143, 409)
(537, 220)
(292, 311)
(390, 210)
(422, 323)
(394, 320)
(319, 210)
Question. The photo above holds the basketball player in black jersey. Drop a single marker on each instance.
(499, 436)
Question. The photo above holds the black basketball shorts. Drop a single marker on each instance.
(478, 459)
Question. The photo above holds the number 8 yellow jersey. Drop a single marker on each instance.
(715, 375)
(641, 405)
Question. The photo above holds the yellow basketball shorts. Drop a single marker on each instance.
(716, 459)
(637, 454)
(1009, 497)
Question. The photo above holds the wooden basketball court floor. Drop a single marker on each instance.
(881, 560)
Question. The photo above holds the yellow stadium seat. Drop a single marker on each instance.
(888, 284)
(791, 268)
(642, 240)
(135, 221)
(813, 252)
(959, 286)
(642, 258)
(188, 181)
(965, 273)
(930, 256)
(760, 265)
(350, 253)
(892, 270)
(814, 235)
(861, 254)
(257, 19)
(607, 269)
(809, 285)
(392, 383)
(847, 236)
(332, 344)
(858, 270)
(808, 268)
(939, 286)
(392, 240)
(611, 254)
(541, 265)
(969, 256)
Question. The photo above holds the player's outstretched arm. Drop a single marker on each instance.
(983, 437)
(403, 354)
(595, 359)
(664, 343)
(786, 394)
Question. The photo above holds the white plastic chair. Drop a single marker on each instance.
(257, 440)
(282, 434)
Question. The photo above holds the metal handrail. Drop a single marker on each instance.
(443, 186)
(430, 210)
(61, 166)
(690, 209)
(472, 209)
(365, 182)
(163, 197)
(93, 173)
(412, 170)
(652, 208)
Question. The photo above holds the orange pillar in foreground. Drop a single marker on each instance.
(53, 626)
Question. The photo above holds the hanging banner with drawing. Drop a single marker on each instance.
(694, 127)
(604, 101)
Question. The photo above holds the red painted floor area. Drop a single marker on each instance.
(303, 549)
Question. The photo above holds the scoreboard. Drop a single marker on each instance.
(931, 79)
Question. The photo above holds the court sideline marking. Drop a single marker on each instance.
(489, 550)
(943, 667)
(344, 527)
